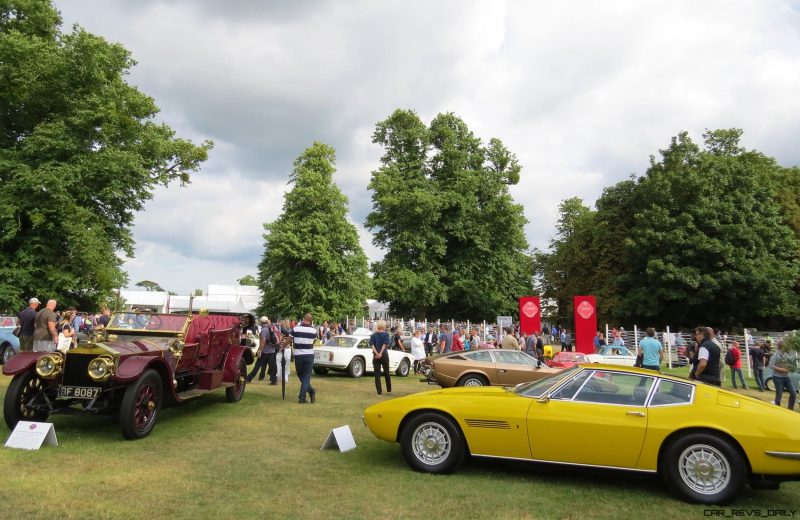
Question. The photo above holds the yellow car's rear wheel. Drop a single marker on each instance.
(432, 443)
(704, 468)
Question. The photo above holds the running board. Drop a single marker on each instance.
(194, 392)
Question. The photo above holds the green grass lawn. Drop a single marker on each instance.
(261, 458)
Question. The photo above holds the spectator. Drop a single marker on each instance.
(77, 321)
(475, 339)
(45, 336)
(431, 339)
(304, 335)
(530, 345)
(417, 350)
(539, 349)
(568, 340)
(27, 323)
(105, 317)
(284, 355)
(563, 340)
(379, 343)
(780, 363)
(445, 340)
(509, 341)
(708, 357)
(652, 351)
(67, 336)
(397, 340)
(458, 345)
(736, 366)
(266, 354)
(757, 361)
(599, 342)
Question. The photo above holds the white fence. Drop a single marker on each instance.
(675, 343)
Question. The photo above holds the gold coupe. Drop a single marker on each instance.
(707, 443)
(483, 367)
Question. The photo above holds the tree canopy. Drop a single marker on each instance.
(247, 279)
(704, 236)
(150, 285)
(80, 153)
(312, 260)
(442, 212)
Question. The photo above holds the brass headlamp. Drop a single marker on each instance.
(50, 365)
(101, 368)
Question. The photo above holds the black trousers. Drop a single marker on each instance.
(378, 364)
(265, 362)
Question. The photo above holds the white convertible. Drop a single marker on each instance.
(351, 353)
(613, 355)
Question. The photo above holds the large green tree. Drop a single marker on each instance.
(312, 260)
(709, 243)
(452, 234)
(80, 153)
(704, 236)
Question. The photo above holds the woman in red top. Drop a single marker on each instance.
(457, 343)
(736, 366)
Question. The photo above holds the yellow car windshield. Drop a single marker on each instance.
(538, 388)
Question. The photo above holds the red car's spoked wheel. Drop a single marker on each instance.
(140, 406)
(31, 389)
(145, 408)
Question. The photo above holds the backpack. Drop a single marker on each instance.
(274, 335)
(729, 360)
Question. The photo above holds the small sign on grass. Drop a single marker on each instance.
(31, 435)
(340, 437)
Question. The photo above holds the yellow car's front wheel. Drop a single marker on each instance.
(432, 443)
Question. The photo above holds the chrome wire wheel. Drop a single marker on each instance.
(431, 443)
(472, 381)
(704, 469)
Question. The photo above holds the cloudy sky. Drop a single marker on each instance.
(583, 92)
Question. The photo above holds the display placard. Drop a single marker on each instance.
(32, 435)
(340, 437)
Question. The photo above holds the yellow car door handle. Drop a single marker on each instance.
(637, 414)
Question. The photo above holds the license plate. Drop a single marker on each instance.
(78, 392)
(317, 355)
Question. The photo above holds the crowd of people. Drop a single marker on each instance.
(49, 329)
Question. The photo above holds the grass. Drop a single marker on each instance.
(261, 458)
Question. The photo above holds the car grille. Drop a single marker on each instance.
(75, 373)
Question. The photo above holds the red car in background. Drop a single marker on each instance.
(567, 359)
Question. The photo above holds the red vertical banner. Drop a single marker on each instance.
(530, 315)
(585, 323)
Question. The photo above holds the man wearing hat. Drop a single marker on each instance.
(266, 351)
(27, 321)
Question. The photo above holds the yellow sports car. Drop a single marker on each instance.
(705, 442)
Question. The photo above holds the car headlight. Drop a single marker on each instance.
(49, 365)
(101, 368)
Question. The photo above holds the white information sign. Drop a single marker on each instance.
(31, 435)
(504, 321)
(340, 437)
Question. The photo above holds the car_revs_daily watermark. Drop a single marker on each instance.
(751, 513)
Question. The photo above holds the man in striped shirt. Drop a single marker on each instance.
(304, 335)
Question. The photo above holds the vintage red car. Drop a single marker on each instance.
(139, 362)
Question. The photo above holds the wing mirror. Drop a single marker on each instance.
(544, 399)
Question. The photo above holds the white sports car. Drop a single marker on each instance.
(351, 353)
(613, 355)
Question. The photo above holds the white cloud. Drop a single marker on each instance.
(583, 92)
